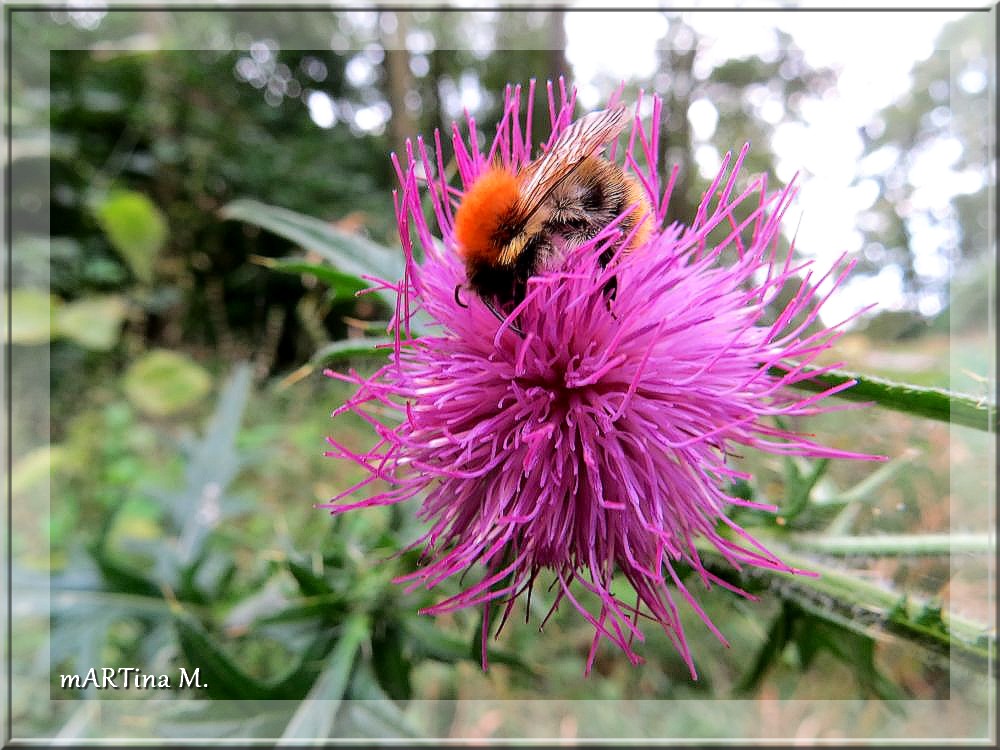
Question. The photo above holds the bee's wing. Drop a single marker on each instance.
(581, 139)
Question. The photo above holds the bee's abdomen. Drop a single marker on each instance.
(594, 196)
(636, 196)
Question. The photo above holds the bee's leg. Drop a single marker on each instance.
(458, 301)
(611, 288)
(500, 316)
(492, 308)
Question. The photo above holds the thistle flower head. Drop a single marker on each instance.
(595, 443)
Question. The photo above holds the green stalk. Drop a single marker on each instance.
(840, 596)
(921, 401)
(893, 545)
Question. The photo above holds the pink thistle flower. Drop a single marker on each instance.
(596, 444)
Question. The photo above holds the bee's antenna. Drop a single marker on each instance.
(499, 316)
(458, 301)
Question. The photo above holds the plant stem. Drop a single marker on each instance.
(892, 545)
(921, 401)
(841, 596)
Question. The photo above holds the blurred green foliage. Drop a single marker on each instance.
(135, 228)
(211, 209)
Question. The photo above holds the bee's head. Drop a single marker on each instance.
(485, 220)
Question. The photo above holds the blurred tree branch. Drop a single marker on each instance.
(399, 77)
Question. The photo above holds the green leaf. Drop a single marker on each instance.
(866, 490)
(82, 614)
(372, 713)
(814, 631)
(310, 584)
(260, 603)
(213, 464)
(930, 617)
(392, 667)
(31, 311)
(813, 634)
(338, 351)
(772, 648)
(341, 351)
(121, 578)
(92, 322)
(314, 717)
(800, 487)
(348, 253)
(164, 382)
(849, 503)
(136, 229)
(340, 284)
(303, 674)
(220, 674)
(324, 608)
(36, 465)
(78, 641)
(920, 401)
(432, 642)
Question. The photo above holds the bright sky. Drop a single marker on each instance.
(874, 53)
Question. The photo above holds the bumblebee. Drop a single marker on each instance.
(512, 224)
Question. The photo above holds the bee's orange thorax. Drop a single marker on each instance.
(487, 203)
